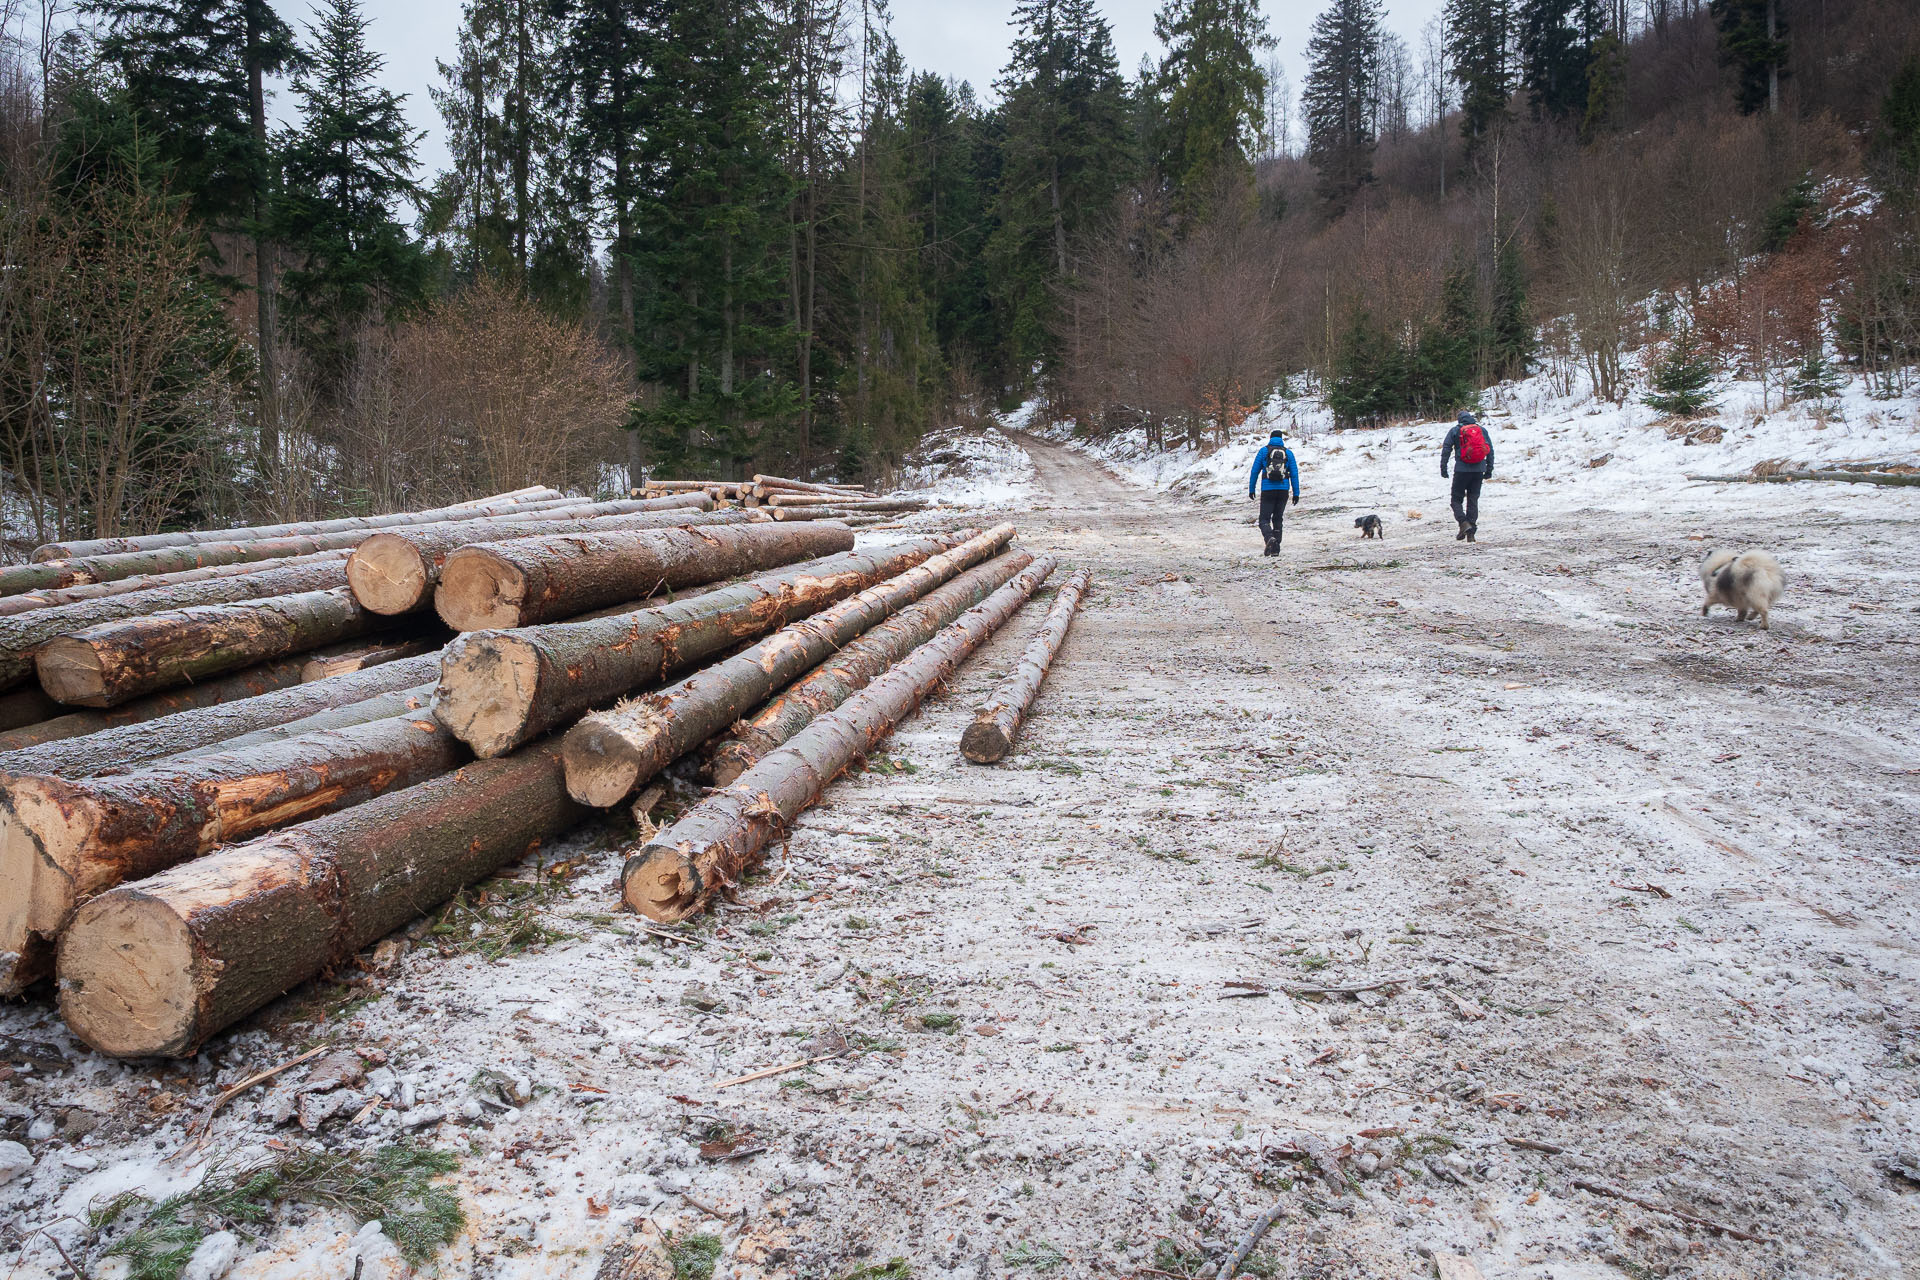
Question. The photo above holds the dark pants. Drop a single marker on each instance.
(1273, 506)
(1466, 498)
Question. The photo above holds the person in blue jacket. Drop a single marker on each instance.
(1274, 475)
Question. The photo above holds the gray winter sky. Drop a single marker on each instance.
(963, 38)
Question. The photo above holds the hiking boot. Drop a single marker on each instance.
(1273, 548)
(1471, 530)
(1461, 536)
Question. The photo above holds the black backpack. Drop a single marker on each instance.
(1276, 463)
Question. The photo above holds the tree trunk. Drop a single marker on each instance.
(24, 635)
(676, 873)
(30, 601)
(991, 734)
(804, 513)
(396, 572)
(358, 657)
(845, 502)
(533, 580)
(854, 667)
(763, 486)
(172, 723)
(64, 840)
(505, 504)
(610, 753)
(1849, 477)
(499, 689)
(155, 967)
(104, 666)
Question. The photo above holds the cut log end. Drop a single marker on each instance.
(39, 840)
(729, 762)
(661, 884)
(601, 767)
(388, 575)
(70, 671)
(985, 742)
(127, 977)
(479, 591)
(487, 691)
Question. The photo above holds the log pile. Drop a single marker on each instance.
(786, 499)
(259, 786)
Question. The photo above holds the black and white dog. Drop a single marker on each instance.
(1370, 527)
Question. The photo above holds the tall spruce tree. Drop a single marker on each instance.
(601, 67)
(1479, 53)
(1343, 72)
(711, 325)
(349, 174)
(1214, 96)
(1753, 41)
(942, 136)
(1556, 40)
(196, 71)
(1065, 154)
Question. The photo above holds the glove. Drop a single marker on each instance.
(1443, 473)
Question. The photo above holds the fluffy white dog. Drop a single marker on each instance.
(1747, 582)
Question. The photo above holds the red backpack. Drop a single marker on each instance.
(1473, 444)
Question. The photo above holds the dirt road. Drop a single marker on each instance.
(1397, 854)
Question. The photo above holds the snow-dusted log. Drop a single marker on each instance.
(396, 571)
(786, 501)
(154, 967)
(499, 689)
(676, 873)
(998, 720)
(62, 840)
(108, 664)
(32, 600)
(854, 667)
(120, 747)
(609, 753)
(503, 503)
(534, 580)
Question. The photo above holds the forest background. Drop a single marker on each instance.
(717, 236)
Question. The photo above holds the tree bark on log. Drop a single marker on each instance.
(250, 682)
(610, 753)
(855, 666)
(499, 689)
(32, 600)
(998, 720)
(786, 501)
(1844, 477)
(677, 872)
(804, 513)
(62, 840)
(505, 503)
(154, 967)
(22, 636)
(534, 580)
(178, 724)
(326, 664)
(766, 486)
(108, 664)
(396, 572)
(65, 573)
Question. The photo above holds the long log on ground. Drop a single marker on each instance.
(396, 572)
(107, 568)
(25, 707)
(855, 667)
(764, 486)
(804, 513)
(610, 753)
(29, 601)
(1844, 477)
(120, 747)
(108, 664)
(499, 689)
(62, 840)
(534, 580)
(22, 636)
(154, 967)
(677, 872)
(845, 503)
(504, 503)
(416, 700)
(326, 664)
(998, 720)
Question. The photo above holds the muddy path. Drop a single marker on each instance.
(1541, 856)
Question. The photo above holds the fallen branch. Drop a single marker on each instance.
(1779, 477)
(230, 1094)
(1252, 1238)
(1601, 1189)
(782, 1069)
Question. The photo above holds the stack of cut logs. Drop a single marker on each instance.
(233, 759)
(785, 499)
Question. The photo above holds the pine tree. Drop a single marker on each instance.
(349, 171)
(1894, 150)
(196, 72)
(600, 66)
(1213, 92)
(1753, 41)
(1510, 342)
(1479, 44)
(1342, 82)
(1555, 39)
(1815, 379)
(1682, 376)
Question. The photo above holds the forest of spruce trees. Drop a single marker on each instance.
(715, 236)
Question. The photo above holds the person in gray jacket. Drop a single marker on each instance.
(1470, 449)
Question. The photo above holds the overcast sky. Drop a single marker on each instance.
(963, 38)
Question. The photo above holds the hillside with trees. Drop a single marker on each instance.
(676, 241)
